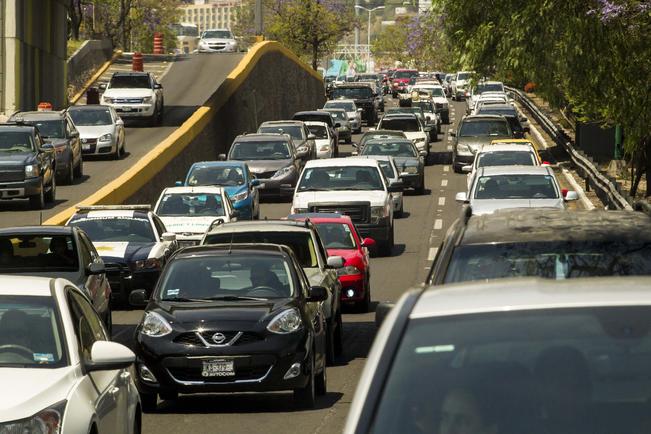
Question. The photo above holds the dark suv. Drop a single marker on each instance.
(548, 243)
(364, 98)
(27, 165)
(474, 132)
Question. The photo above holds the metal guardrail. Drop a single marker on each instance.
(605, 186)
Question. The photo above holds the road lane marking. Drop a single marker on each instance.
(438, 224)
(444, 183)
(446, 168)
(449, 147)
(432, 253)
(442, 201)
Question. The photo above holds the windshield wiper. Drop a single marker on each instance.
(183, 299)
(234, 298)
(313, 189)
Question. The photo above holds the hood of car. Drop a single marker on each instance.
(232, 190)
(216, 40)
(196, 224)
(57, 142)
(411, 135)
(351, 256)
(307, 198)
(487, 206)
(128, 93)
(32, 390)
(440, 100)
(406, 161)
(95, 131)
(475, 143)
(15, 158)
(261, 166)
(122, 251)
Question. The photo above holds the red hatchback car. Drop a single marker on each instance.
(341, 238)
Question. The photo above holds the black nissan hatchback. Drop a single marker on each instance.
(224, 318)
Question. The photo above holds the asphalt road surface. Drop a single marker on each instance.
(417, 235)
(187, 84)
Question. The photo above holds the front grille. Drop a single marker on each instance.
(265, 175)
(359, 212)
(12, 174)
(192, 338)
(116, 274)
(242, 373)
(127, 100)
(217, 46)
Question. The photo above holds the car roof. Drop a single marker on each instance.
(341, 162)
(392, 133)
(375, 157)
(491, 82)
(19, 127)
(283, 122)
(504, 107)
(260, 226)
(389, 140)
(354, 84)
(321, 217)
(347, 100)
(26, 285)
(256, 137)
(311, 113)
(196, 190)
(44, 229)
(511, 147)
(44, 115)
(319, 123)
(518, 225)
(103, 213)
(236, 248)
(130, 73)
(88, 107)
(477, 118)
(515, 170)
(400, 115)
(508, 295)
(227, 163)
(521, 141)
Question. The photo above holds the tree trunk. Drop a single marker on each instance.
(315, 55)
(75, 18)
(646, 145)
(639, 163)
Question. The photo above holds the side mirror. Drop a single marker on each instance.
(255, 183)
(74, 134)
(466, 169)
(158, 86)
(178, 184)
(95, 268)
(119, 122)
(396, 187)
(354, 153)
(461, 197)
(571, 195)
(102, 86)
(381, 312)
(368, 242)
(221, 157)
(109, 356)
(138, 298)
(337, 124)
(235, 213)
(168, 237)
(335, 262)
(311, 137)
(360, 110)
(47, 146)
(422, 153)
(318, 293)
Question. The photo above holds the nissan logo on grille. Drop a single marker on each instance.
(218, 338)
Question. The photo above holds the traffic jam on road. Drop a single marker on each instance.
(260, 271)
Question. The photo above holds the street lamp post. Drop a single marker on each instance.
(368, 30)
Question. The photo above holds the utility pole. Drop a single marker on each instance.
(259, 25)
(357, 6)
(368, 32)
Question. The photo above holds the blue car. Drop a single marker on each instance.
(235, 177)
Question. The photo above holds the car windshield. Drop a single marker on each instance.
(348, 106)
(337, 114)
(53, 128)
(267, 150)
(16, 141)
(294, 131)
(437, 91)
(489, 110)
(506, 158)
(395, 149)
(216, 175)
(387, 169)
(217, 34)
(89, 118)
(227, 277)
(379, 135)
(336, 235)
(484, 128)
(191, 205)
(299, 241)
(550, 259)
(489, 87)
(130, 82)
(115, 228)
(38, 253)
(341, 178)
(400, 124)
(425, 106)
(320, 131)
(516, 187)
(31, 335)
(405, 74)
(361, 92)
(463, 76)
(571, 370)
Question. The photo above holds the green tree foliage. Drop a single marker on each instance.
(593, 55)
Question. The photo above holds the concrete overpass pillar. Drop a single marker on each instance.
(33, 35)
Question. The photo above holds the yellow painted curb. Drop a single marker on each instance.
(95, 77)
(138, 175)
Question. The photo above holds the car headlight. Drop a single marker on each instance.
(348, 270)
(108, 99)
(378, 212)
(148, 263)
(240, 196)
(155, 325)
(288, 321)
(105, 138)
(463, 148)
(146, 100)
(283, 172)
(32, 171)
(47, 421)
(411, 169)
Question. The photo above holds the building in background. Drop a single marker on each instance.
(33, 37)
(211, 14)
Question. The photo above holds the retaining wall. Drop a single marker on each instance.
(90, 56)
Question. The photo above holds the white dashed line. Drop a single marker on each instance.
(438, 224)
(432, 253)
(441, 201)
(449, 147)
(446, 168)
(444, 183)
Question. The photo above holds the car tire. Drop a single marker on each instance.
(421, 187)
(149, 402)
(137, 422)
(321, 383)
(387, 246)
(330, 343)
(457, 169)
(79, 170)
(305, 397)
(339, 336)
(108, 321)
(118, 152)
(400, 213)
(160, 115)
(69, 178)
(38, 200)
(51, 195)
(364, 306)
(446, 120)
(169, 396)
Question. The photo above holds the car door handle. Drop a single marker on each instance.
(114, 391)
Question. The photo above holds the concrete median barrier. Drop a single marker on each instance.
(269, 83)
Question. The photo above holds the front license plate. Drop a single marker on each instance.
(85, 147)
(218, 368)
(126, 109)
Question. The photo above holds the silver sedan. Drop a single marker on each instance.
(101, 130)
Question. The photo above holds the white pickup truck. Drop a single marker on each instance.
(355, 187)
(135, 95)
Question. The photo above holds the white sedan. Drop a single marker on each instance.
(325, 142)
(58, 370)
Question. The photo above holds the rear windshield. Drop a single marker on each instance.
(191, 205)
(348, 106)
(405, 74)
(54, 128)
(396, 149)
(320, 131)
(300, 242)
(266, 150)
(16, 141)
(550, 259)
(115, 229)
(516, 187)
(216, 175)
(463, 76)
(336, 235)
(130, 82)
(484, 128)
(38, 253)
(491, 87)
(400, 124)
(506, 158)
(294, 131)
(352, 92)
(341, 178)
